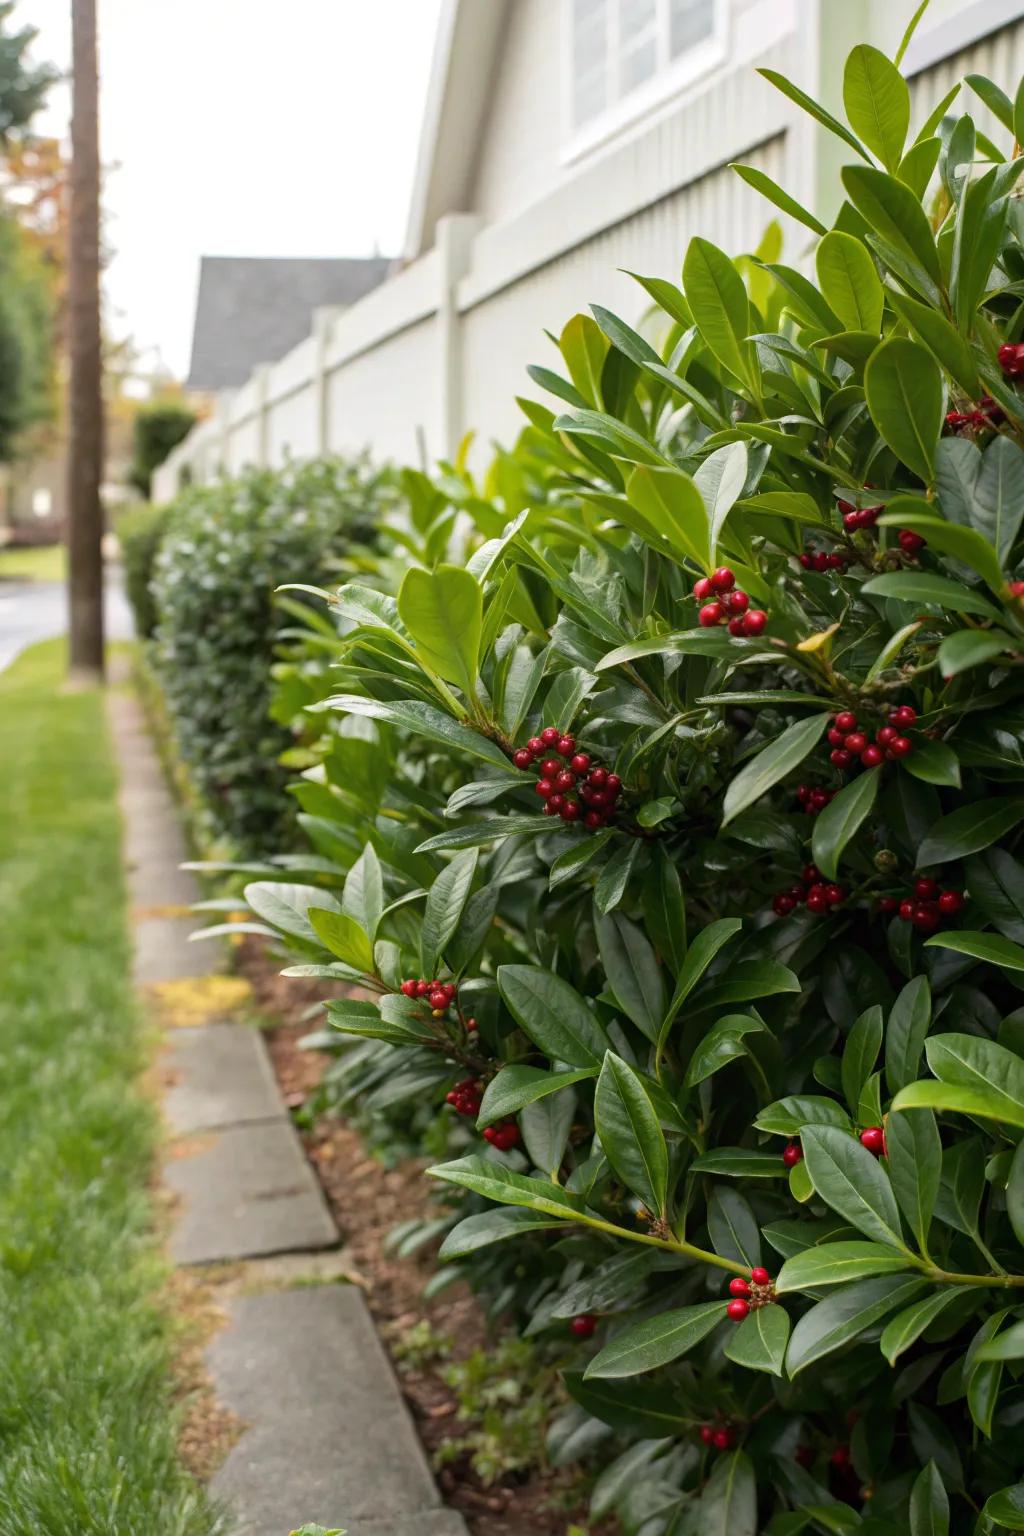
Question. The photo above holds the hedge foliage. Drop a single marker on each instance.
(225, 548)
(669, 811)
(139, 531)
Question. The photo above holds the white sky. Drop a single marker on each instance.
(243, 128)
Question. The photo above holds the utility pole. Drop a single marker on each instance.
(85, 390)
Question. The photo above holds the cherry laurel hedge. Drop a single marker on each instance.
(733, 1055)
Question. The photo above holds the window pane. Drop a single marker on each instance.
(638, 42)
(690, 22)
(589, 58)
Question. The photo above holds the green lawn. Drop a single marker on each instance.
(45, 563)
(87, 1429)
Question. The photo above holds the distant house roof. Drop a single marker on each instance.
(254, 309)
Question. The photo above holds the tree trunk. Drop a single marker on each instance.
(85, 397)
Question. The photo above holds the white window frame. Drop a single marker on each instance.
(669, 79)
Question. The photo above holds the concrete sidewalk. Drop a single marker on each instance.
(327, 1437)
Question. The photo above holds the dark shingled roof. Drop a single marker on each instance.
(254, 309)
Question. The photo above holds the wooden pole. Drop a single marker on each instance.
(85, 390)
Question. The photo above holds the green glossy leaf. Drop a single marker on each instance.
(893, 212)
(907, 1326)
(514, 1087)
(839, 822)
(718, 299)
(969, 648)
(836, 1264)
(720, 480)
(914, 1155)
(657, 1341)
(635, 1407)
(446, 902)
(983, 1103)
(860, 1053)
(728, 1505)
(772, 764)
(907, 401)
(906, 1032)
(733, 1227)
(843, 1316)
(633, 972)
(286, 906)
(488, 830)
(991, 947)
(777, 195)
(443, 612)
(698, 957)
(850, 1180)
(1008, 1345)
(674, 509)
(759, 1343)
(789, 1116)
(943, 340)
(722, 1043)
(850, 282)
(1006, 1508)
(933, 763)
(928, 587)
(343, 937)
(495, 1182)
(929, 1504)
(493, 1226)
(631, 1133)
(422, 720)
(877, 101)
(739, 1163)
(971, 1062)
(945, 538)
(969, 829)
(553, 1015)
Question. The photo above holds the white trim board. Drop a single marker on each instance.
(971, 25)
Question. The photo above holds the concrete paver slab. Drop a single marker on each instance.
(330, 1438)
(244, 1192)
(164, 951)
(221, 1076)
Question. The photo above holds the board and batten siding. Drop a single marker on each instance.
(442, 347)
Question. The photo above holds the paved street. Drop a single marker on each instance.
(31, 611)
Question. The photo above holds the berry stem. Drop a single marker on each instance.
(700, 1255)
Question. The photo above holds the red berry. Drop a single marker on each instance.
(845, 506)
(907, 911)
(925, 889)
(821, 562)
(818, 905)
(703, 589)
(523, 758)
(722, 1439)
(550, 767)
(738, 1309)
(792, 1153)
(845, 721)
(565, 780)
(737, 626)
(723, 579)
(901, 747)
(856, 741)
(869, 516)
(580, 763)
(806, 561)
(950, 902)
(835, 895)
(1017, 588)
(903, 716)
(760, 1276)
(544, 788)
(566, 746)
(755, 621)
(535, 746)
(888, 904)
(739, 1287)
(710, 615)
(549, 735)
(873, 1139)
(422, 988)
(887, 735)
(872, 756)
(810, 874)
(910, 542)
(554, 805)
(836, 737)
(592, 820)
(841, 759)
(783, 904)
(836, 561)
(584, 1325)
(851, 521)
(925, 920)
(570, 811)
(819, 798)
(471, 1024)
(598, 777)
(437, 1000)
(408, 989)
(613, 784)
(707, 1434)
(840, 1456)
(599, 799)
(737, 602)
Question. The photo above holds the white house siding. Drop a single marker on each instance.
(504, 333)
(292, 426)
(1000, 57)
(387, 396)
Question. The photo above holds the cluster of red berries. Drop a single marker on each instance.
(721, 1437)
(465, 1098)
(727, 602)
(504, 1135)
(857, 518)
(439, 994)
(818, 560)
(595, 787)
(1016, 589)
(583, 1326)
(817, 895)
(926, 907)
(911, 543)
(750, 1294)
(873, 1138)
(813, 800)
(985, 416)
(1011, 360)
(850, 744)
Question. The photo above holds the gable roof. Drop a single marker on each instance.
(466, 53)
(254, 309)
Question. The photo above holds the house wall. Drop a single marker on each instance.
(442, 347)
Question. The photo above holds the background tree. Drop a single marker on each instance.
(158, 427)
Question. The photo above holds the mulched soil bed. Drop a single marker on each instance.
(368, 1200)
